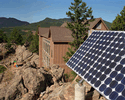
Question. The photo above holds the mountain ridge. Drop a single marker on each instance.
(11, 22)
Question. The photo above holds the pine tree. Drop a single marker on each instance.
(16, 37)
(119, 22)
(79, 13)
(3, 37)
(34, 45)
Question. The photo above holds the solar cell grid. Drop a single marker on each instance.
(103, 64)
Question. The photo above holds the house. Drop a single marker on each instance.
(53, 43)
(97, 24)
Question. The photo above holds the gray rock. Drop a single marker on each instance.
(57, 73)
(35, 59)
(3, 89)
(20, 49)
(34, 81)
(26, 54)
(28, 96)
(15, 89)
(1, 76)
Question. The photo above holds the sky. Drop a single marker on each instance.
(37, 10)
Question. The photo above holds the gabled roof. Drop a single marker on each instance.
(43, 32)
(58, 34)
(92, 24)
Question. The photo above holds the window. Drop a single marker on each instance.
(98, 26)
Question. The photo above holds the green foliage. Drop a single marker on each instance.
(34, 45)
(28, 38)
(79, 13)
(119, 22)
(68, 54)
(2, 69)
(73, 74)
(3, 37)
(16, 37)
(108, 24)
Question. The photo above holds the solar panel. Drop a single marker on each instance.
(100, 61)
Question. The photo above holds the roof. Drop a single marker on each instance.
(61, 34)
(43, 32)
(92, 24)
(58, 34)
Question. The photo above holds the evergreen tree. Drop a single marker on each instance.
(34, 46)
(15, 37)
(119, 22)
(79, 13)
(28, 38)
(3, 37)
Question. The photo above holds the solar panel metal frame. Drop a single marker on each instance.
(97, 88)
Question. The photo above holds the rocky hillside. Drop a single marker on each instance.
(28, 81)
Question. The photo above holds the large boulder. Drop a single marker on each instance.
(16, 88)
(34, 80)
(57, 72)
(20, 49)
(35, 59)
(64, 92)
(3, 89)
(26, 54)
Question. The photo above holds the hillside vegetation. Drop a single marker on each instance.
(47, 22)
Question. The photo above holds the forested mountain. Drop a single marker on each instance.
(11, 22)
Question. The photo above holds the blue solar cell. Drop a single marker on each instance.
(108, 63)
(102, 52)
(113, 95)
(119, 88)
(107, 71)
(90, 77)
(118, 67)
(120, 98)
(119, 77)
(123, 61)
(97, 83)
(112, 57)
(123, 92)
(107, 91)
(117, 51)
(108, 55)
(99, 66)
(116, 45)
(123, 81)
(117, 59)
(103, 68)
(113, 84)
(93, 80)
(102, 87)
(103, 61)
(112, 65)
(98, 74)
(108, 81)
(102, 77)
(113, 74)
(94, 72)
(123, 70)
(122, 53)
(87, 75)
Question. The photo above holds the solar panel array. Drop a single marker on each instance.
(100, 61)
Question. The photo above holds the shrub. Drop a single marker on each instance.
(2, 69)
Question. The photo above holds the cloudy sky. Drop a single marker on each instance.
(37, 10)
